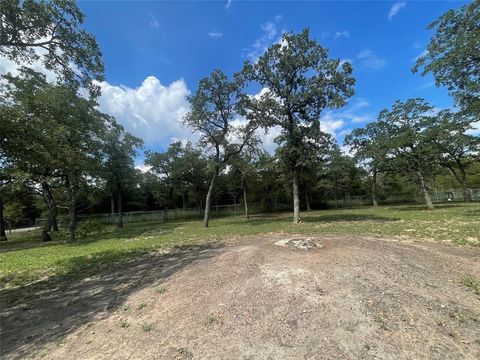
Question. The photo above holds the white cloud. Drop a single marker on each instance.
(395, 9)
(215, 34)
(227, 5)
(335, 121)
(153, 21)
(270, 35)
(340, 34)
(369, 60)
(475, 129)
(8, 66)
(330, 124)
(143, 168)
(346, 150)
(335, 35)
(152, 111)
(268, 138)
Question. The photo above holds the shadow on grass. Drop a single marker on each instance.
(48, 310)
(421, 207)
(129, 231)
(475, 213)
(347, 218)
(307, 218)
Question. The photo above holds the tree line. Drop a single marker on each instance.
(57, 147)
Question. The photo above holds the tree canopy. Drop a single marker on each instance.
(453, 55)
(50, 31)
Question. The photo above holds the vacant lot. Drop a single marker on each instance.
(382, 283)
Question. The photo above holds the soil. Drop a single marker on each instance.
(270, 297)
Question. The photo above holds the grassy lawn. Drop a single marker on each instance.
(23, 259)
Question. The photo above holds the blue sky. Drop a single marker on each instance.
(155, 53)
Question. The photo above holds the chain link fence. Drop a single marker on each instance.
(444, 196)
(166, 215)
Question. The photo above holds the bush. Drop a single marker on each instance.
(85, 229)
(89, 227)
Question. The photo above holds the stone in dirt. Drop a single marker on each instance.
(300, 243)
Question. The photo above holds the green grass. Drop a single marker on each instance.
(472, 283)
(23, 259)
(160, 289)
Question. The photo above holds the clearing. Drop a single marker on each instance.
(346, 284)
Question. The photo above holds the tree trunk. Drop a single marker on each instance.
(112, 205)
(335, 190)
(184, 203)
(296, 199)
(3, 235)
(374, 187)
(306, 200)
(208, 199)
(426, 196)
(198, 200)
(463, 182)
(51, 223)
(462, 179)
(120, 210)
(72, 208)
(247, 216)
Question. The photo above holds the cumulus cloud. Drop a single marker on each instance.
(8, 66)
(346, 150)
(152, 111)
(215, 34)
(369, 60)
(475, 129)
(395, 9)
(143, 168)
(268, 138)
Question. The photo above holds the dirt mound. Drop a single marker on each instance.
(357, 298)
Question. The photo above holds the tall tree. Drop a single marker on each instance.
(453, 55)
(195, 172)
(50, 31)
(369, 145)
(412, 142)
(180, 170)
(119, 168)
(169, 167)
(338, 175)
(45, 112)
(299, 81)
(457, 148)
(242, 172)
(214, 106)
(33, 157)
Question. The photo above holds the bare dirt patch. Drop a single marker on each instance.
(336, 297)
